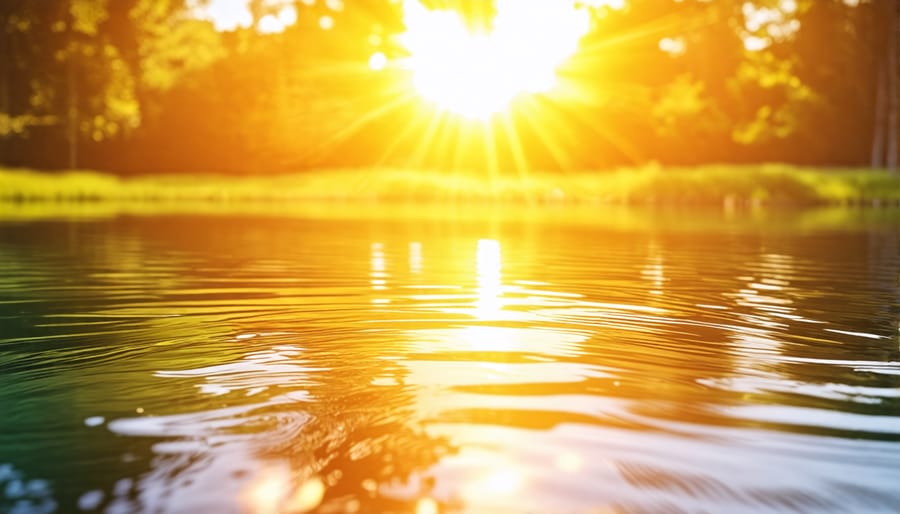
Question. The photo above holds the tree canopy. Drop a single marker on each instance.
(282, 85)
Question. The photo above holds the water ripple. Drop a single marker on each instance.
(202, 365)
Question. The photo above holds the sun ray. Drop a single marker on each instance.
(478, 73)
(419, 154)
(520, 160)
(448, 137)
(490, 150)
(651, 30)
(463, 138)
(620, 143)
(540, 127)
(404, 135)
(526, 102)
(336, 139)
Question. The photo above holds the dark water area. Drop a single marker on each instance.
(254, 364)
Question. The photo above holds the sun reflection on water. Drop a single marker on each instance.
(415, 257)
(489, 269)
(497, 482)
(496, 341)
(379, 266)
(427, 506)
(475, 373)
(274, 491)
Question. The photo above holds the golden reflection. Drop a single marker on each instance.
(378, 274)
(307, 497)
(378, 263)
(768, 298)
(489, 274)
(497, 348)
(415, 257)
(491, 339)
(499, 482)
(531, 387)
(494, 479)
(273, 492)
(654, 270)
(266, 493)
(427, 506)
(569, 462)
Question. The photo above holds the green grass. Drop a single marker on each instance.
(705, 185)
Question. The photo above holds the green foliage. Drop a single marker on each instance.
(685, 107)
(675, 81)
(715, 185)
(17, 125)
(81, 64)
(87, 15)
(174, 51)
(772, 96)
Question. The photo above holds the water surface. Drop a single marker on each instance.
(689, 363)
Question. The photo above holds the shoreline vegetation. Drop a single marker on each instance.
(707, 186)
(770, 197)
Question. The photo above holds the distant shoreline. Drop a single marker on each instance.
(727, 186)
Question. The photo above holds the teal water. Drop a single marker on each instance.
(689, 363)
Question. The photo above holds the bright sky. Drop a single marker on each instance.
(479, 74)
(451, 64)
(228, 15)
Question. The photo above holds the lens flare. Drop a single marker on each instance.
(479, 73)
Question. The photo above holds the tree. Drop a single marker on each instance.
(82, 66)
(152, 85)
(885, 132)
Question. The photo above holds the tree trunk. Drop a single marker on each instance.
(892, 129)
(878, 136)
(72, 109)
(5, 73)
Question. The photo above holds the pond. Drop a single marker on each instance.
(464, 362)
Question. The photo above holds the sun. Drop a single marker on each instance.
(478, 73)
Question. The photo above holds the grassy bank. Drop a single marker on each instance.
(705, 185)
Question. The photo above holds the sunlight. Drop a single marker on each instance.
(477, 74)
(377, 61)
(503, 481)
(415, 257)
(569, 462)
(307, 497)
(273, 491)
(266, 492)
(498, 477)
(229, 15)
(427, 506)
(378, 272)
(224, 14)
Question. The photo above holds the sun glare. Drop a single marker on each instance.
(479, 73)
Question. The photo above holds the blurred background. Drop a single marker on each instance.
(269, 86)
